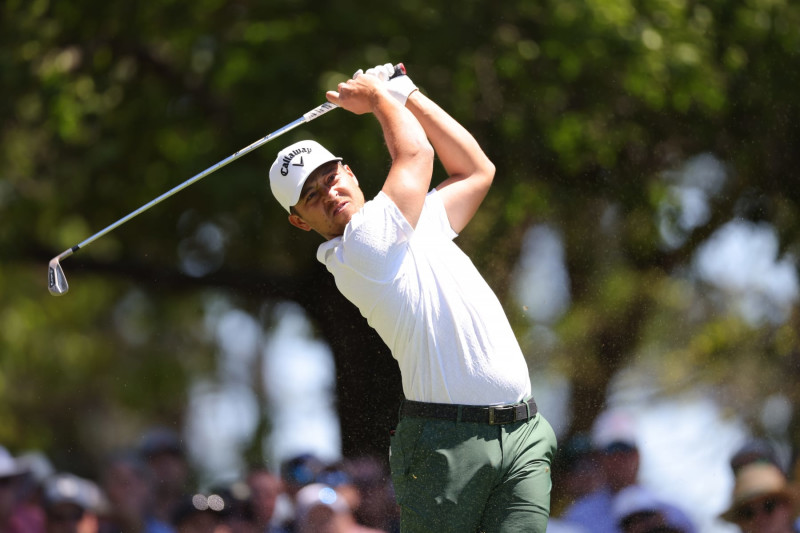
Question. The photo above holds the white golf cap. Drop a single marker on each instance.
(614, 428)
(293, 166)
(632, 500)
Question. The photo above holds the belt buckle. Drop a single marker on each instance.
(493, 420)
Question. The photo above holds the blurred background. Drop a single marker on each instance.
(643, 229)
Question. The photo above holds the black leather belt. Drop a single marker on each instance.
(493, 415)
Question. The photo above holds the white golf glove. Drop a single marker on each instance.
(382, 72)
(400, 87)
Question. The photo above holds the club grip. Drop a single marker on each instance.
(399, 70)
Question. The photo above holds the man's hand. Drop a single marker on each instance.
(382, 72)
(400, 87)
(412, 155)
(359, 95)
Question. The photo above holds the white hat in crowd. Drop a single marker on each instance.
(614, 427)
(632, 500)
(317, 494)
(10, 467)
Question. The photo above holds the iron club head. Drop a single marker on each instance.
(56, 281)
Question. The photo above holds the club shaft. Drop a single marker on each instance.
(399, 70)
(311, 115)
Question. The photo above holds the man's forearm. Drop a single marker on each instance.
(412, 155)
(402, 132)
(409, 178)
(456, 148)
(470, 172)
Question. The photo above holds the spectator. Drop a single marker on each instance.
(30, 507)
(614, 441)
(71, 504)
(335, 476)
(320, 509)
(198, 514)
(756, 450)
(300, 471)
(237, 514)
(637, 510)
(128, 485)
(614, 438)
(296, 473)
(377, 507)
(763, 500)
(14, 516)
(575, 472)
(163, 452)
(265, 489)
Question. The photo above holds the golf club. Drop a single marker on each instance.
(57, 281)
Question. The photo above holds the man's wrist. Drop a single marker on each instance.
(381, 96)
(414, 96)
(401, 87)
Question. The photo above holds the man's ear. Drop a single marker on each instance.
(350, 171)
(298, 222)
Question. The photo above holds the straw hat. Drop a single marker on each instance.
(760, 480)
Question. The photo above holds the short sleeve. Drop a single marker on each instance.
(434, 217)
(374, 241)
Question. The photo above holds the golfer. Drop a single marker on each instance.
(470, 452)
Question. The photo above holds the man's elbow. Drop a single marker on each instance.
(418, 157)
(486, 171)
(422, 156)
(425, 151)
(420, 150)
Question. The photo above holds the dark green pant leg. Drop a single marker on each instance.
(463, 477)
(521, 501)
(443, 473)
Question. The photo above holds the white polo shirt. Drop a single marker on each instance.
(430, 305)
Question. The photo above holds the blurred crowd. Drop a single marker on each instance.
(150, 489)
(596, 476)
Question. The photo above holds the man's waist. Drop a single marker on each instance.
(481, 414)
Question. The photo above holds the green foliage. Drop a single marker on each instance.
(582, 105)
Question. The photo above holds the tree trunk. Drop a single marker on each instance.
(368, 386)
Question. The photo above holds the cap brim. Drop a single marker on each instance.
(14, 472)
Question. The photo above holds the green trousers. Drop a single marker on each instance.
(469, 477)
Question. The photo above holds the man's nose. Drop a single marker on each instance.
(328, 190)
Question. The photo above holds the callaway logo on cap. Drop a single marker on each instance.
(293, 166)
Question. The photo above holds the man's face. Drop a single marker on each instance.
(64, 518)
(765, 515)
(329, 199)
(8, 497)
(127, 489)
(169, 470)
(265, 489)
(621, 468)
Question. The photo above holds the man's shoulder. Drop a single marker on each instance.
(372, 243)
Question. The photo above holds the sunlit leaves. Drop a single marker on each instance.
(582, 105)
